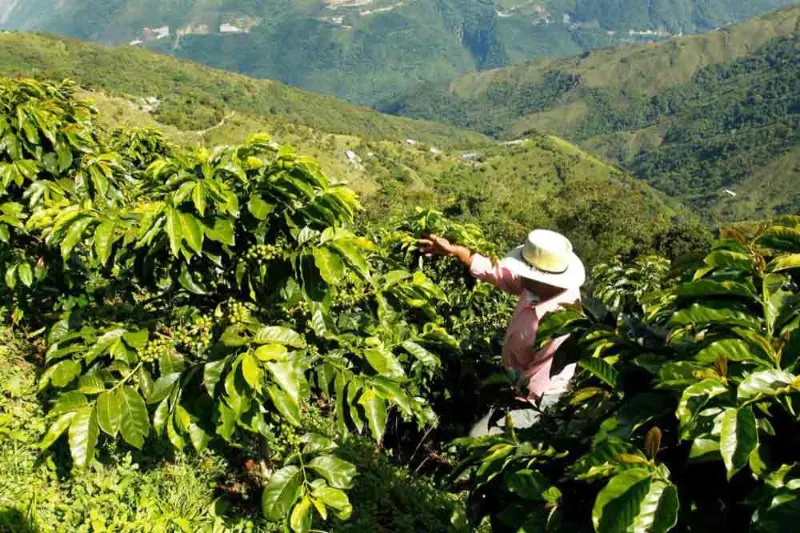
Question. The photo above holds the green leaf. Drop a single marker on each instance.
(251, 369)
(279, 335)
(335, 499)
(739, 437)
(721, 313)
(619, 503)
(286, 406)
(60, 374)
(784, 262)
(658, 512)
(74, 235)
(91, 384)
(732, 350)
(696, 396)
(300, 519)
(187, 281)
(315, 443)
(330, 265)
(212, 373)
(781, 238)
(173, 229)
(385, 363)
(271, 352)
(707, 287)
(11, 277)
(104, 240)
(527, 484)
(199, 198)
(199, 437)
(765, 383)
(424, 356)
(375, 409)
(339, 473)
(259, 208)
(136, 339)
(163, 386)
(56, 430)
(25, 274)
(391, 391)
(353, 256)
(728, 259)
(602, 370)
(83, 433)
(109, 412)
(191, 231)
(69, 401)
(289, 377)
(135, 419)
(281, 492)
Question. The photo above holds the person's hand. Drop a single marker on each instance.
(434, 245)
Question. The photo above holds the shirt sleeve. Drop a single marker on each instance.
(501, 275)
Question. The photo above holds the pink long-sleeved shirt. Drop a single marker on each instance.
(520, 340)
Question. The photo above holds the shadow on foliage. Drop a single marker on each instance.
(14, 521)
(387, 498)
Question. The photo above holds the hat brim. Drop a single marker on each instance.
(572, 278)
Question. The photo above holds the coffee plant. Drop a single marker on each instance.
(206, 297)
(230, 298)
(685, 413)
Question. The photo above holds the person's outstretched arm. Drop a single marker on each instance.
(499, 275)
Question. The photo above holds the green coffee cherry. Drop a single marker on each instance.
(237, 312)
(155, 348)
(262, 253)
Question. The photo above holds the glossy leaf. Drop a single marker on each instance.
(337, 472)
(56, 429)
(619, 503)
(135, 424)
(281, 493)
(279, 335)
(83, 433)
(385, 363)
(300, 519)
(738, 439)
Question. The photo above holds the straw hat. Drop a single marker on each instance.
(547, 257)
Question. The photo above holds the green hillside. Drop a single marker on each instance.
(692, 116)
(369, 50)
(396, 163)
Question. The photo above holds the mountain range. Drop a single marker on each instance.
(711, 119)
(396, 164)
(369, 50)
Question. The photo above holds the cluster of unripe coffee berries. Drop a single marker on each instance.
(155, 348)
(237, 312)
(195, 336)
(262, 253)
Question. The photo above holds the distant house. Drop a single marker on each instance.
(352, 157)
(411, 142)
(136, 42)
(154, 34)
(729, 192)
(470, 156)
(229, 28)
(435, 151)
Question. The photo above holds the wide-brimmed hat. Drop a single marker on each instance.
(547, 257)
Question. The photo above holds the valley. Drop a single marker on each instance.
(693, 116)
(369, 51)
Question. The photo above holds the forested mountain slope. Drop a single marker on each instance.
(711, 119)
(368, 50)
(396, 163)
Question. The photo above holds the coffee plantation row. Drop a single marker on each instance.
(230, 298)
